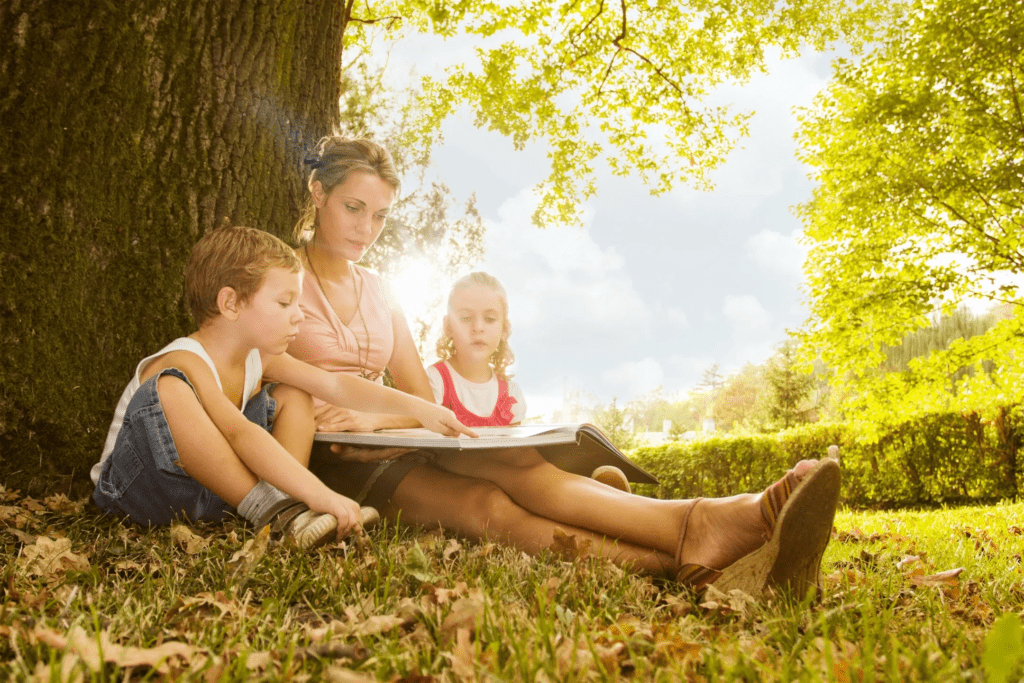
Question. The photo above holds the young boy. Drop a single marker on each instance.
(190, 433)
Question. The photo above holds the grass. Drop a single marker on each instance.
(85, 598)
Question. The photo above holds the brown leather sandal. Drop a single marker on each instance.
(797, 519)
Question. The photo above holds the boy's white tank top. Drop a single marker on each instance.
(253, 377)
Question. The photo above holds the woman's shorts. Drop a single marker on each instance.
(143, 478)
(370, 484)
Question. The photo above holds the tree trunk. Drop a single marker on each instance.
(126, 131)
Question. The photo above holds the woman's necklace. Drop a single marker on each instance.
(364, 372)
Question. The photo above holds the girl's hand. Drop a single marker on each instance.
(335, 419)
(441, 420)
(357, 454)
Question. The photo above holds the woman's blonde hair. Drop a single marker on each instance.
(331, 162)
(502, 357)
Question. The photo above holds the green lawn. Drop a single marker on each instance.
(86, 598)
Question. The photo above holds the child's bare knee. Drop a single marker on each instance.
(296, 399)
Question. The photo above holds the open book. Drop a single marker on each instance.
(579, 448)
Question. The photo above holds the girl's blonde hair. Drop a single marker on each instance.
(331, 162)
(502, 357)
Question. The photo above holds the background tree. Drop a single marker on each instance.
(617, 425)
(918, 153)
(738, 401)
(788, 387)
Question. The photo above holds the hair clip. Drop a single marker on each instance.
(313, 162)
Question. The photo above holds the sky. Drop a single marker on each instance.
(651, 290)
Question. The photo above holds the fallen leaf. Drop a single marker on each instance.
(376, 624)
(60, 503)
(94, 654)
(464, 613)
(568, 547)
(336, 674)
(733, 602)
(242, 561)
(946, 578)
(48, 558)
(463, 656)
(451, 549)
(187, 540)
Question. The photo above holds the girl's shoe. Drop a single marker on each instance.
(797, 519)
(293, 521)
(610, 475)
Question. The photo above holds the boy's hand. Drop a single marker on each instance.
(335, 419)
(443, 421)
(344, 509)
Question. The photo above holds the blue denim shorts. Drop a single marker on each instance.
(143, 479)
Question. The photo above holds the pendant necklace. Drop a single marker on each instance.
(364, 372)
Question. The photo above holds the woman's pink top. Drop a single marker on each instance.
(365, 342)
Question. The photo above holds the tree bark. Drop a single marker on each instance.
(126, 131)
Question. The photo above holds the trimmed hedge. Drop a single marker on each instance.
(936, 459)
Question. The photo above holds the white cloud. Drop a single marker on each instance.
(775, 252)
(745, 312)
(561, 283)
(634, 378)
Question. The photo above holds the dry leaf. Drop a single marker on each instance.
(258, 661)
(734, 602)
(451, 549)
(60, 503)
(187, 540)
(49, 557)
(678, 648)
(242, 561)
(462, 656)
(377, 624)
(85, 646)
(568, 547)
(336, 674)
(464, 613)
(946, 578)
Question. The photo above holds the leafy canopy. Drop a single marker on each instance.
(615, 80)
(919, 155)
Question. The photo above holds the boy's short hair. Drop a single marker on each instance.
(235, 257)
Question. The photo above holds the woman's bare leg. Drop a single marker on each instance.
(720, 530)
(479, 509)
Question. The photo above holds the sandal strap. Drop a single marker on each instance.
(280, 514)
(773, 500)
(695, 576)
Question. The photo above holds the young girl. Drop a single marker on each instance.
(472, 378)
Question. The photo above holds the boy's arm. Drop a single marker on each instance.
(359, 394)
(255, 446)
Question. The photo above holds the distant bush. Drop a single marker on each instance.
(940, 458)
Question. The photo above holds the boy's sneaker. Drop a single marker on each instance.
(611, 476)
(293, 520)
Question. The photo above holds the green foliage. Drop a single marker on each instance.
(617, 425)
(917, 151)
(788, 387)
(934, 459)
(1004, 648)
(622, 82)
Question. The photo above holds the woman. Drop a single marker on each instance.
(353, 324)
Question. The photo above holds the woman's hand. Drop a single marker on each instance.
(441, 420)
(334, 419)
(357, 454)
